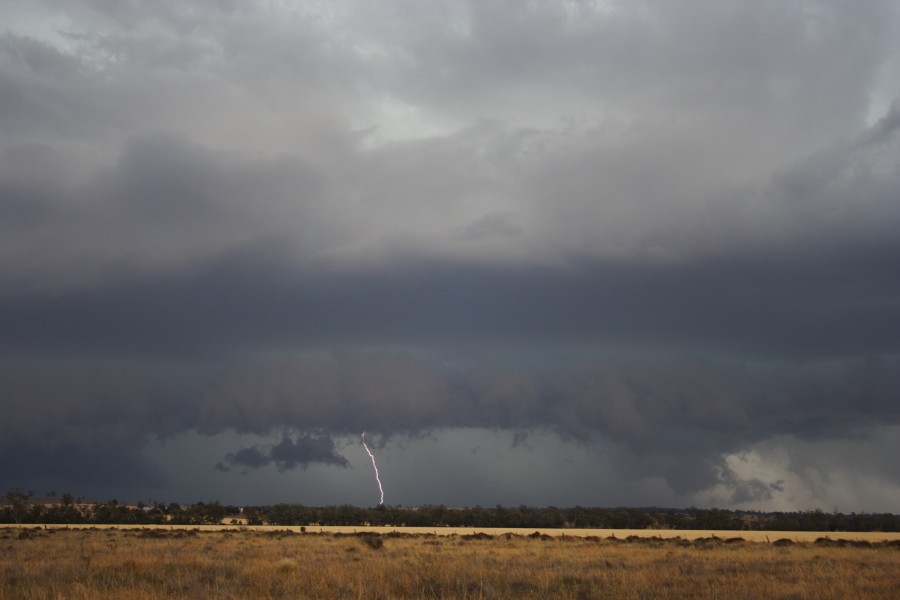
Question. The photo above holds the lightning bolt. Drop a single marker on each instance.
(374, 466)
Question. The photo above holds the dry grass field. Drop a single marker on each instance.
(145, 564)
(688, 534)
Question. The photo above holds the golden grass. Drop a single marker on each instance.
(146, 564)
(689, 534)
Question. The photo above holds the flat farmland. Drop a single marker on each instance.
(226, 562)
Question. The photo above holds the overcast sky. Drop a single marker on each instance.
(544, 252)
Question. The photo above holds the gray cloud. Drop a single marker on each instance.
(674, 420)
(83, 423)
(493, 224)
(287, 454)
(661, 232)
(830, 304)
(167, 205)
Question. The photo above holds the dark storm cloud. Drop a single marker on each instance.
(753, 490)
(81, 422)
(634, 401)
(166, 206)
(290, 453)
(251, 457)
(825, 305)
(673, 420)
(225, 217)
(828, 294)
(832, 400)
(78, 465)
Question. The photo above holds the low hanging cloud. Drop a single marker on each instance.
(290, 453)
(677, 420)
(673, 420)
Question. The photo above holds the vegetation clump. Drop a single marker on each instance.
(373, 541)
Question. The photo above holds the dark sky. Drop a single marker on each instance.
(572, 252)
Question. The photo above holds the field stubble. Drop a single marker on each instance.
(146, 564)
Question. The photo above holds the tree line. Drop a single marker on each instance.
(19, 507)
(577, 517)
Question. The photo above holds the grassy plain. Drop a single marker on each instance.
(688, 534)
(146, 564)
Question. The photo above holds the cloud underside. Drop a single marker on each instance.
(674, 419)
(290, 453)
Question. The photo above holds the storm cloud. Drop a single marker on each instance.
(657, 237)
(287, 454)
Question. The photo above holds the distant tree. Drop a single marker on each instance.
(67, 512)
(214, 513)
(549, 517)
(17, 501)
(253, 516)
